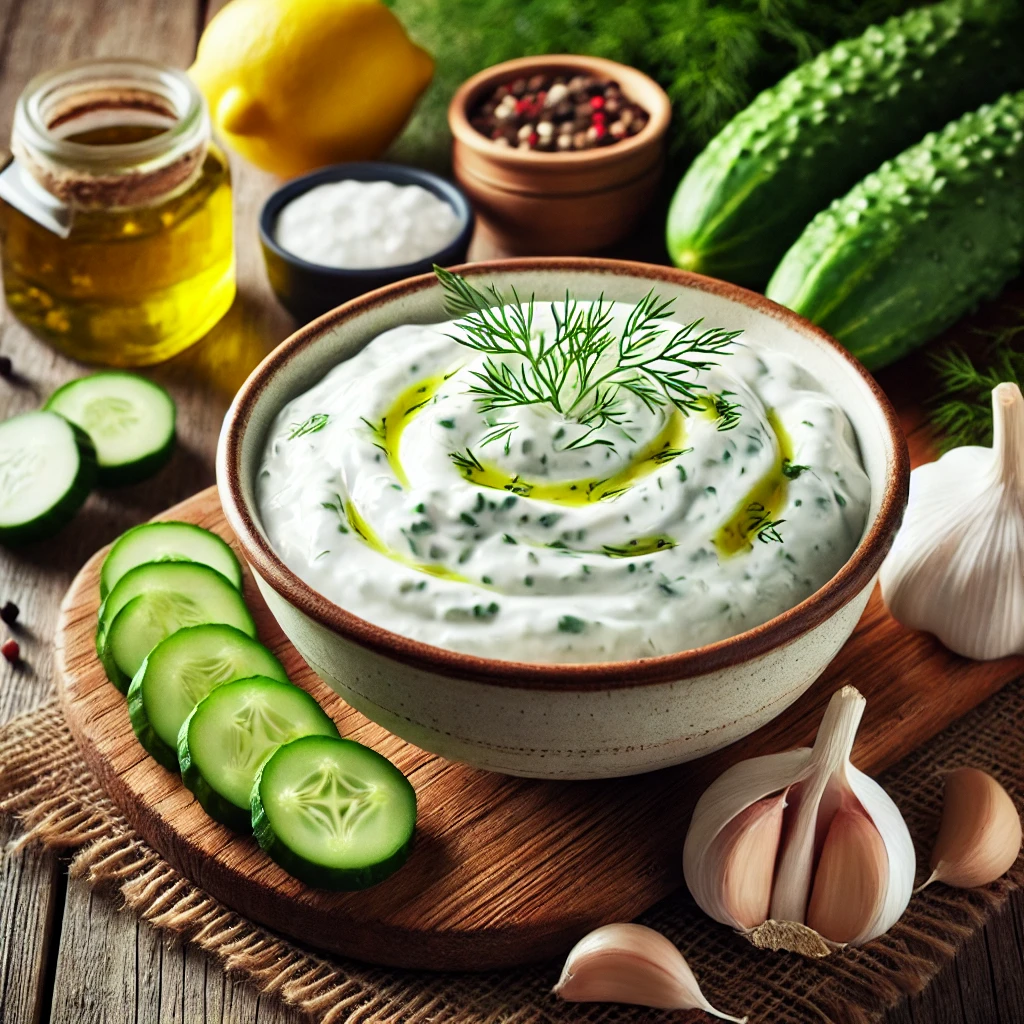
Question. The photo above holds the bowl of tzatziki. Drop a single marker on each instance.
(564, 518)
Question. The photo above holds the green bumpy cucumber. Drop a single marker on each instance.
(811, 137)
(917, 244)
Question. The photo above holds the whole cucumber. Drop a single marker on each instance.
(811, 137)
(919, 242)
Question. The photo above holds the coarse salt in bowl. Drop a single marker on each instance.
(366, 224)
(387, 223)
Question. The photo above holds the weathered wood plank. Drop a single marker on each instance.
(118, 970)
(29, 902)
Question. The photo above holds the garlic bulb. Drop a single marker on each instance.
(628, 963)
(956, 568)
(800, 850)
(980, 834)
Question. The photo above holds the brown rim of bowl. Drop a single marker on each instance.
(856, 574)
(659, 114)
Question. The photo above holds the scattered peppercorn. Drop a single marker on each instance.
(556, 113)
(6, 367)
(9, 613)
(10, 650)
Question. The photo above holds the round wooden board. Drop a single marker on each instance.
(504, 871)
(444, 909)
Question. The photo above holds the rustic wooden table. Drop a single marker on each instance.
(66, 955)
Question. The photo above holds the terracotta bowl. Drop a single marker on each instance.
(534, 203)
(579, 720)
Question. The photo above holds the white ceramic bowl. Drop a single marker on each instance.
(565, 721)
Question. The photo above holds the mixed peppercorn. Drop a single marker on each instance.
(558, 113)
(10, 649)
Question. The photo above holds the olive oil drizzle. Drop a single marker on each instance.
(665, 446)
(757, 508)
(369, 537)
(399, 415)
(761, 503)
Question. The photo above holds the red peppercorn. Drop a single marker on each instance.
(522, 106)
(599, 129)
(533, 139)
(10, 650)
(597, 102)
(598, 117)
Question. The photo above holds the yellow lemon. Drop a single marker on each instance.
(296, 84)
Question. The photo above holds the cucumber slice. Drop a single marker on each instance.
(168, 542)
(177, 594)
(149, 618)
(180, 671)
(232, 731)
(47, 468)
(333, 813)
(130, 420)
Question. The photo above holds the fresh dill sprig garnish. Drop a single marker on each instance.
(337, 506)
(761, 524)
(581, 369)
(961, 410)
(668, 454)
(728, 413)
(499, 431)
(466, 461)
(310, 426)
(379, 431)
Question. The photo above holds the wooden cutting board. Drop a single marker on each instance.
(504, 870)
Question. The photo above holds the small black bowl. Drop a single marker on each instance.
(308, 289)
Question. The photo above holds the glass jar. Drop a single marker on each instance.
(116, 222)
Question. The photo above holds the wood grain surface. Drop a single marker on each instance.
(504, 870)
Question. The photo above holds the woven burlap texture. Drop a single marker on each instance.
(46, 785)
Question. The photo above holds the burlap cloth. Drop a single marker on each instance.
(44, 782)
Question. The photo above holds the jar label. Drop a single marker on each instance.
(25, 194)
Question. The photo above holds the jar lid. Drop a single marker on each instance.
(60, 105)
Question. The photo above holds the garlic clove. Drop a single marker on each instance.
(744, 852)
(852, 871)
(956, 568)
(729, 795)
(629, 963)
(980, 833)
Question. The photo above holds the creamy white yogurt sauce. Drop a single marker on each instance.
(673, 534)
(360, 225)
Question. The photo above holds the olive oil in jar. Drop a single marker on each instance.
(147, 264)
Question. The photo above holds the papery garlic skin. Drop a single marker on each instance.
(980, 834)
(956, 568)
(630, 963)
(817, 784)
(895, 835)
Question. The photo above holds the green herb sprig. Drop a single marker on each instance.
(310, 426)
(761, 524)
(961, 412)
(581, 369)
